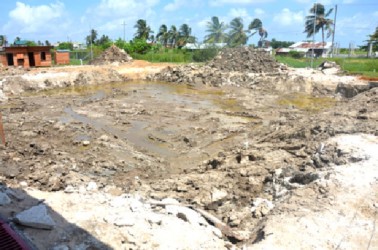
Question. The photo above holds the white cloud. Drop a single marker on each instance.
(259, 12)
(176, 4)
(223, 2)
(287, 18)
(122, 8)
(240, 12)
(31, 19)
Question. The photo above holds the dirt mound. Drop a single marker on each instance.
(112, 55)
(236, 66)
(244, 59)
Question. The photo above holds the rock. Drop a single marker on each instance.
(4, 199)
(15, 194)
(35, 217)
(92, 186)
(126, 219)
(218, 194)
(261, 207)
(23, 184)
(85, 143)
(186, 214)
(69, 189)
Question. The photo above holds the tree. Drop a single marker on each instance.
(185, 35)
(65, 46)
(143, 30)
(216, 31)
(237, 35)
(254, 26)
(280, 44)
(47, 43)
(91, 38)
(173, 36)
(163, 35)
(3, 40)
(104, 42)
(318, 18)
(257, 26)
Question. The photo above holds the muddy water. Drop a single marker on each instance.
(145, 134)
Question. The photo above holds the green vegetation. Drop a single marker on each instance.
(361, 66)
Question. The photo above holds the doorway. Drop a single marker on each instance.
(31, 59)
(10, 59)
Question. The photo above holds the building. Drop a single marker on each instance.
(196, 46)
(26, 56)
(62, 57)
(319, 49)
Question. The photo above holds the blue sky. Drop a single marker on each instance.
(62, 20)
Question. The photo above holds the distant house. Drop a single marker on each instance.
(196, 46)
(319, 49)
(26, 56)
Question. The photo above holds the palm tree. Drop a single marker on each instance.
(173, 36)
(185, 35)
(318, 18)
(163, 35)
(254, 26)
(257, 26)
(237, 35)
(216, 31)
(143, 30)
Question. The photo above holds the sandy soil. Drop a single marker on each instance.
(240, 167)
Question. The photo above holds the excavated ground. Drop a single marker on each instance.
(218, 149)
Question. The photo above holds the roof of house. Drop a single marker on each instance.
(311, 45)
(204, 45)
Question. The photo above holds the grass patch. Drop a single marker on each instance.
(358, 66)
(170, 56)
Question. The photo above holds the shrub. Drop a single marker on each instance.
(295, 54)
(204, 54)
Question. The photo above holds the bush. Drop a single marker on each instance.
(296, 54)
(137, 46)
(204, 55)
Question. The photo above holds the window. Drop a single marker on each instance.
(43, 56)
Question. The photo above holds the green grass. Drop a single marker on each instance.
(175, 57)
(77, 62)
(356, 66)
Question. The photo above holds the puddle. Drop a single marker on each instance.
(307, 102)
(178, 94)
(136, 134)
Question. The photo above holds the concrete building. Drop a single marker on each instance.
(26, 56)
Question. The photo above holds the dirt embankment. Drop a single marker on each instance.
(159, 166)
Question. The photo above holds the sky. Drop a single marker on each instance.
(71, 20)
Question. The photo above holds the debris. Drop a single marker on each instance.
(112, 55)
(35, 217)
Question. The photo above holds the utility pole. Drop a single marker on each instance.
(313, 36)
(334, 30)
(124, 31)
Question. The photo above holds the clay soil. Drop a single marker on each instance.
(215, 148)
